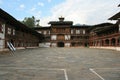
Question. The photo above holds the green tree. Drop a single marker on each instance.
(31, 22)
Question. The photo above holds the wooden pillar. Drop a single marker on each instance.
(95, 43)
(109, 42)
(103, 42)
(116, 41)
(90, 43)
(100, 42)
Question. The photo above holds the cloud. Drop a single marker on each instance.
(41, 4)
(35, 12)
(49, 0)
(32, 9)
(22, 6)
(82, 11)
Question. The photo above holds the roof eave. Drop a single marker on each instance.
(115, 17)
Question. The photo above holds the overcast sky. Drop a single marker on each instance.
(79, 11)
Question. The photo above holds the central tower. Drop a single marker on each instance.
(60, 33)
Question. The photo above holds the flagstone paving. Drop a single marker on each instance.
(60, 64)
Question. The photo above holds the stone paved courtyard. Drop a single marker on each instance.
(60, 64)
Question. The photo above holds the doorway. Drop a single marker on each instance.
(60, 44)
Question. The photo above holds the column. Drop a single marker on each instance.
(116, 41)
(103, 42)
(109, 42)
(100, 42)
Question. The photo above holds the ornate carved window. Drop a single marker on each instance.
(39, 32)
(61, 37)
(83, 31)
(54, 30)
(13, 31)
(2, 27)
(71, 31)
(9, 31)
(77, 31)
(44, 32)
(67, 37)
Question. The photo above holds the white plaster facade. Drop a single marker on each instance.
(53, 37)
(67, 44)
(2, 37)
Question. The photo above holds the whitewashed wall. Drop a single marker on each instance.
(53, 37)
(67, 44)
(2, 37)
(53, 44)
(47, 44)
(83, 31)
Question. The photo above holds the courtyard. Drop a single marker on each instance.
(60, 64)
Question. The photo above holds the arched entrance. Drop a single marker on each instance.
(113, 41)
(102, 43)
(107, 42)
(60, 44)
(86, 44)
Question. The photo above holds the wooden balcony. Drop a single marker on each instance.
(60, 33)
(79, 34)
(105, 36)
